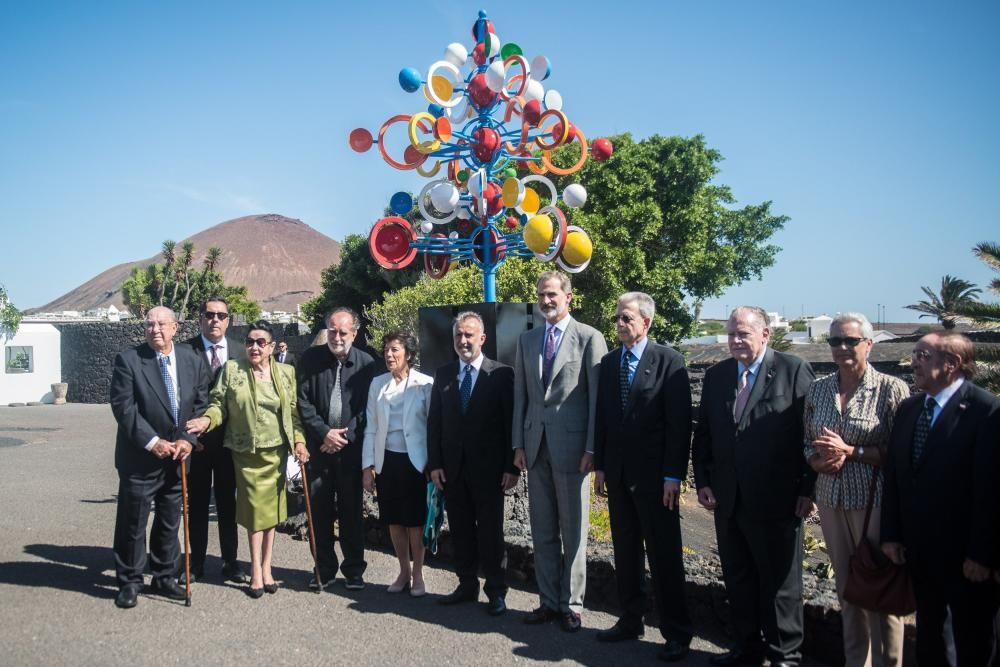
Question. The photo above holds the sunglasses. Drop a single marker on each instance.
(849, 341)
(209, 315)
(259, 342)
(626, 318)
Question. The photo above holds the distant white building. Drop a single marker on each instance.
(817, 327)
(30, 363)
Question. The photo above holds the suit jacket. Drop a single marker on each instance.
(233, 401)
(477, 442)
(758, 462)
(947, 508)
(416, 401)
(566, 410)
(650, 439)
(236, 350)
(140, 404)
(289, 358)
(316, 371)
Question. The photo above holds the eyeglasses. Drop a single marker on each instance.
(209, 315)
(259, 342)
(849, 341)
(624, 317)
(922, 355)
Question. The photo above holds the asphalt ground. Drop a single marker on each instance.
(57, 587)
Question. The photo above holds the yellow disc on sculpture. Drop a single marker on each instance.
(530, 204)
(513, 192)
(443, 88)
(578, 248)
(538, 234)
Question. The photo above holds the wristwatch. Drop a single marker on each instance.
(859, 451)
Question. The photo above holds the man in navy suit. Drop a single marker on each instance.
(941, 506)
(641, 441)
(155, 388)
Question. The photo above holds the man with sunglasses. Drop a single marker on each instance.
(211, 462)
(941, 506)
(749, 470)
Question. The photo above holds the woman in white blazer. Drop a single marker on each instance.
(394, 455)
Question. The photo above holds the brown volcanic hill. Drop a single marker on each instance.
(278, 259)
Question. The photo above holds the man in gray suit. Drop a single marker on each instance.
(555, 396)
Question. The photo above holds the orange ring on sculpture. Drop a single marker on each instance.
(558, 171)
(379, 253)
(536, 167)
(402, 166)
(437, 272)
(561, 117)
(511, 111)
(523, 76)
(522, 142)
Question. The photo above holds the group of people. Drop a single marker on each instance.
(770, 441)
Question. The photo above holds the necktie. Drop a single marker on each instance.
(171, 394)
(624, 384)
(922, 430)
(336, 401)
(465, 390)
(551, 342)
(215, 362)
(742, 396)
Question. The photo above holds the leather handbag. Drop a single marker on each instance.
(874, 582)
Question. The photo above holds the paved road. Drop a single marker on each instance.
(57, 488)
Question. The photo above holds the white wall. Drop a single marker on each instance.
(35, 386)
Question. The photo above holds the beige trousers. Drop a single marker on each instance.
(870, 639)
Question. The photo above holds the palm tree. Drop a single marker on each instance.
(954, 294)
(986, 316)
(210, 262)
(187, 259)
(169, 257)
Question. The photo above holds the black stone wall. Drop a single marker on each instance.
(88, 351)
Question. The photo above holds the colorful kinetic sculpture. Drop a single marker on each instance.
(486, 139)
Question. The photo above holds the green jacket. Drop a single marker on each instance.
(233, 401)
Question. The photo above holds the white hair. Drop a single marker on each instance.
(858, 318)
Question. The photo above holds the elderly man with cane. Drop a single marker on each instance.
(155, 388)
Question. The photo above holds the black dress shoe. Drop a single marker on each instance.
(128, 597)
(231, 571)
(620, 632)
(541, 615)
(570, 621)
(460, 594)
(496, 606)
(783, 663)
(196, 575)
(271, 589)
(168, 588)
(737, 658)
(255, 593)
(672, 651)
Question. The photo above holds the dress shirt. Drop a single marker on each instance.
(476, 364)
(172, 372)
(561, 326)
(636, 351)
(754, 367)
(942, 397)
(395, 396)
(222, 351)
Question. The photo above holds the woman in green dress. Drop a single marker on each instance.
(256, 400)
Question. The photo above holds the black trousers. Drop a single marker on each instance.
(762, 568)
(973, 607)
(335, 492)
(213, 464)
(475, 518)
(136, 493)
(641, 526)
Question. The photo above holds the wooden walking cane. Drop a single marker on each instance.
(187, 537)
(312, 532)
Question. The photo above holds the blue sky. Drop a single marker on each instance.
(872, 125)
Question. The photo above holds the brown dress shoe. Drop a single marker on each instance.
(541, 615)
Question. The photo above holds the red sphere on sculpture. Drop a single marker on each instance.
(480, 93)
(532, 112)
(601, 149)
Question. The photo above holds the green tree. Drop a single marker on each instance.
(169, 254)
(136, 290)
(986, 316)
(660, 225)
(516, 279)
(356, 281)
(10, 316)
(955, 293)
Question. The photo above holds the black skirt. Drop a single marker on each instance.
(401, 492)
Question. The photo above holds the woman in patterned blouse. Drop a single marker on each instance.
(848, 417)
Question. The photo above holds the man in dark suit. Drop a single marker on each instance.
(941, 506)
(155, 388)
(470, 459)
(333, 391)
(283, 355)
(749, 469)
(641, 441)
(210, 460)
